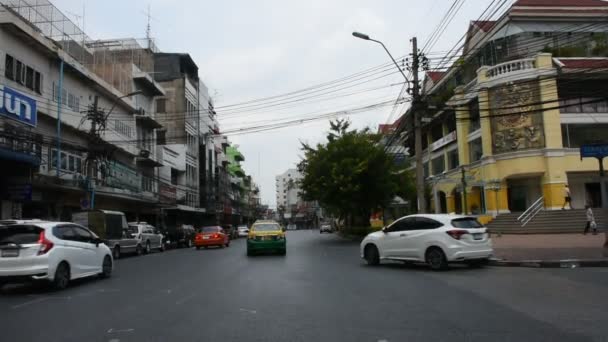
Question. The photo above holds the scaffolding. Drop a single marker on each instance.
(114, 60)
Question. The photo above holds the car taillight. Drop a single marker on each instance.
(457, 233)
(45, 244)
(198, 236)
(215, 236)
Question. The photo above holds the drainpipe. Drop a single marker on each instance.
(59, 99)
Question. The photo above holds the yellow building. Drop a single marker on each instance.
(510, 114)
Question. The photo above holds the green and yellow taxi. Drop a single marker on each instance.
(266, 236)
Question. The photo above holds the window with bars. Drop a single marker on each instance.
(17, 71)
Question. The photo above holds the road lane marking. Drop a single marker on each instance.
(38, 300)
(248, 311)
(118, 331)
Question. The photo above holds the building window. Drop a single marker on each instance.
(475, 150)
(575, 135)
(161, 105)
(438, 165)
(122, 128)
(29, 78)
(20, 73)
(174, 173)
(9, 67)
(70, 162)
(161, 137)
(475, 122)
(453, 161)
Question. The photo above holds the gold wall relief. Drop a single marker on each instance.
(516, 117)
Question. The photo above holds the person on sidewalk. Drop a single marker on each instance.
(590, 221)
(567, 198)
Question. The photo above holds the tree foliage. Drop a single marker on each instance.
(351, 175)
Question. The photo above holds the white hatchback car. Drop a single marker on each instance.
(54, 251)
(434, 239)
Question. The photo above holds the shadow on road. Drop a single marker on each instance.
(42, 287)
(421, 267)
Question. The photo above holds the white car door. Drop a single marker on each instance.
(392, 244)
(70, 249)
(418, 234)
(89, 251)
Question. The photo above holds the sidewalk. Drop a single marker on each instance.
(550, 250)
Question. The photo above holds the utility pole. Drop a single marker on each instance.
(417, 110)
(464, 190)
(95, 116)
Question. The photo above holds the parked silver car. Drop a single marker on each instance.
(146, 236)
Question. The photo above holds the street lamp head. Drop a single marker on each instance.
(137, 92)
(361, 35)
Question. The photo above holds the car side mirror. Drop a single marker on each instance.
(97, 241)
(384, 230)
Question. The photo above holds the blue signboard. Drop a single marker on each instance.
(17, 106)
(594, 151)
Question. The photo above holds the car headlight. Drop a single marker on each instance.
(280, 237)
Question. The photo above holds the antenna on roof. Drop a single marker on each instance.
(148, 28)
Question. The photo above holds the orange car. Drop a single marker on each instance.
(211, 236)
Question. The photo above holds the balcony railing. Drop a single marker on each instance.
(507, 68)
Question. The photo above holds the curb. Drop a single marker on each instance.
(566, 263)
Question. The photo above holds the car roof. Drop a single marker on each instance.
(43, 224)
(265, 222)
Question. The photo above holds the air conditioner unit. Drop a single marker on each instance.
(144, 153)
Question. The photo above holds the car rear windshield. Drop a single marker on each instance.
(19, 234)
(266, 227)
(209, 230)
(467, 222)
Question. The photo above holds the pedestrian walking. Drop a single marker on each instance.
(590, 221)
(567, 198)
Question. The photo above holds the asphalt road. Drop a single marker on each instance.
(320, 291)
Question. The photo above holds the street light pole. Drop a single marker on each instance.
(416, 108)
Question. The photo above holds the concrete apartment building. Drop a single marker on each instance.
(51, 74)
(531, 92)
(287, 190)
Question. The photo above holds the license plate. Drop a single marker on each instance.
(478, 236)
(10, 253)
(205, 238)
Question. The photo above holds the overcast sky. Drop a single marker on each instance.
(253, 49)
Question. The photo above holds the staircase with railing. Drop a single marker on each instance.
(531, 212)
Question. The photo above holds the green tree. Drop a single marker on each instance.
(351, 175)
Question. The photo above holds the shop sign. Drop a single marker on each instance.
(17, 106)
(167, 194)
(19, 192)
(594, 151)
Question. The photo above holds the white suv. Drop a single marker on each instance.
(53, 251)
(434, 239)
(147, 237)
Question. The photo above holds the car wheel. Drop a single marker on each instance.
(139, 250)
(283, 252)
(228, 244)
(249, 253)
(436, 259)
(148, 248)
(106, 268)
(62, 276)
(371, 255)
(116, 253)
(222, 246)
(162, 247)
(198, 247)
